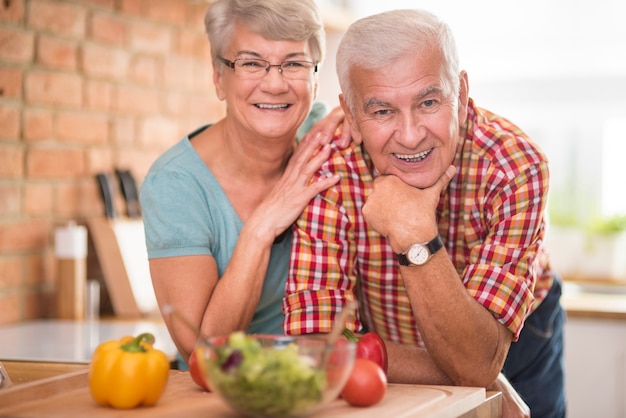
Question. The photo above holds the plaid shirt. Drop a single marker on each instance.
(490, 218)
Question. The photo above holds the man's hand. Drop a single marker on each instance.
(403, 213)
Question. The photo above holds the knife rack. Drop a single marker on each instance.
(121, 253)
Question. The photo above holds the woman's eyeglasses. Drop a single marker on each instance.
(254, 68)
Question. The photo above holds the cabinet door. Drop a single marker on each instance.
(595, 367)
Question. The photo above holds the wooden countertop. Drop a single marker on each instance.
(67, 395)
(594, 299)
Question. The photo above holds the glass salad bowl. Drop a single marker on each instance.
(275, 376)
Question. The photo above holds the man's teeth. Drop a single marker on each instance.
(413, 157)
(272, 106)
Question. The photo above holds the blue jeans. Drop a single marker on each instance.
(534, 365)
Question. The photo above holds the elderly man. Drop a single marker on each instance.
(436, 225)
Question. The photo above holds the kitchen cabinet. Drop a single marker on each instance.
(595, 367)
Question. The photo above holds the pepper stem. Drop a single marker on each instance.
(135, 345)
(350, 335)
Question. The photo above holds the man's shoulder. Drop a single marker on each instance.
(501, 142)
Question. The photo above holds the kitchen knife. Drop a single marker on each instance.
(106, 191)
(129, 191)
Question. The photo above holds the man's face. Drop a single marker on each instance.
(407, 119)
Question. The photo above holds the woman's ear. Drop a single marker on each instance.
(354, 128)
(217, 82)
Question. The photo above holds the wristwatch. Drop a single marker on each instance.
(420, 252)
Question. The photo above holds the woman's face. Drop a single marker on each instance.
(272, 106)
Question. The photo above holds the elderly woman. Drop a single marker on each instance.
(218, 206)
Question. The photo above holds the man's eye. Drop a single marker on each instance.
(429, 103)
(382, 112)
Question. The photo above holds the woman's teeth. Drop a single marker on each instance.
(413, 157)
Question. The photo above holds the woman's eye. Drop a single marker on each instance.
(292, 64)
(251, 63)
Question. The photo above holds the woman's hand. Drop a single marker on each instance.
(295, 189)
(330, 126)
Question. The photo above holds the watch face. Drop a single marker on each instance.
(417, 254)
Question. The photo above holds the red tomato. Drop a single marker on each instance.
(196, 374)
(366, 385)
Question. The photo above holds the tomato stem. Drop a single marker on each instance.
(350, 336)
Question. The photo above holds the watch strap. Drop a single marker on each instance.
(432, 246)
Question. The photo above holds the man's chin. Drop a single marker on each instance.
(419, 182)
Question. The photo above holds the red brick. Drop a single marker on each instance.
(105, 61)
(145, 70)
(37, 304)
(24, 235)
(104, 4)
(134, 7)
(151, 38)
(158, 131)
(12, 11)
(180, 105)
(10, 272)
(195, 15)
(98, 95)
(91, 203)
(67, 199)
(79, 199)
(57, 17)
(17, 45)
(82, 127)
(136, 101)
(54, 88)
(193, 43)
(11, 311)
(139, 160)
(35, 269)
(10, 82)
(168, 11)
(49, 164)
(178, 72)
(9, 121)
(108, 28)
(38, 199)
(57, 53)
(123, 131)
(11, 199)
(37, 124)
(11, 162)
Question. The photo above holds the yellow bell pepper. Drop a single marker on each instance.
(128, 373)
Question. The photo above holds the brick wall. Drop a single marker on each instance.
(86, 86)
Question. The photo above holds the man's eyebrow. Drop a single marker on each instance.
(428, 91)
(374, 102)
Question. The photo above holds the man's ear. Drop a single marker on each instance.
(354, 128)
(463, 97)
(217, 82)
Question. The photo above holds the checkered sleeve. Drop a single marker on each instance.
(501, 273)
(322, 273)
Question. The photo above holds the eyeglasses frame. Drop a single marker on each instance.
(231, 64)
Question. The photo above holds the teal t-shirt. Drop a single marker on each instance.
(186, 212)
